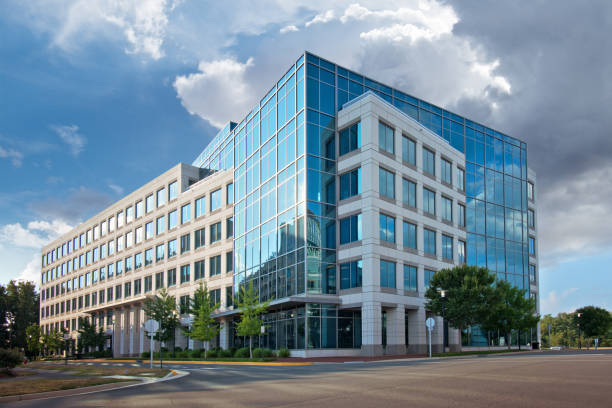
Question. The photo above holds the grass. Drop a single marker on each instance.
(145, 359)
(97, 371)
(30, 386)
(474, 353)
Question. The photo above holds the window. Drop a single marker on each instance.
(118, 292)
(215, 232)
(111, 270)
(185, 213)
(100, 296)
(215, 297)
(429, 162)
(215, 200)
(161, 197)
(139, 209)
(111, 247)
(427, 275)
(138, 235)
(184, 304)
(129, 239)
(447, 209)
(531, 246)
(410, 235)
(429, 241)
(350, 229)
(532, 273)
(461, 251)
(159, 253)
(161, 224)
(229, 227)
(229, 262)
(350, 183)
(149, 256)
(172, 219)
(351, 275)
(185, 274)
(385, 138)
(171, 248)
(137, 287)
(387, 274)
(149, 230)
(185, 243)
(200, 207)
(129, 214)
(531, 218)
(408, 150)
(387, 228)
(429, 201)
(128, 264)
(386, 183)
(229, 193)
(350, 138)
(460, 179)
(446, 171)
(172, 190)
(409, 193)
(127, 289)
(215, 265)
(447, 247)
(229, 296)
(171, 275)
(159, 280)
(410, 278)
(530, 190)
(109, 294)
(102, 273)
(199, 238)
(461, 214)
(199, 270)
(149, 203)
(138, 260)
(111, 227)
(148, 283)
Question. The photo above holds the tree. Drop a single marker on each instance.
(594, 321)
(251, 310)
(22, 303)
(510, 310)
(4, 325)
(469, 293)
(33, 339)
(204, 327)
(162, 308)
(89, 337)
(52, 341)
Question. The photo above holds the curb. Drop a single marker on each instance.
(271, 363)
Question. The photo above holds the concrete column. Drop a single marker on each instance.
(417, 332)
(131, 317)
(122, 327)
(396, 342)
(371, 328)
(224, 335)
(141, 320)
(117, 333)
(437, 335)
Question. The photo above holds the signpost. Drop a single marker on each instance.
(152, 326)
(430, 323)
(549, 341)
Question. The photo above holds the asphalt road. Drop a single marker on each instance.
(557, 379)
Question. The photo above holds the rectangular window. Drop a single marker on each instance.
(446, 170)
(171, 248)
(350, 183)
(148, 256)
(461, 215)
(408, 150)
(215, 200)
(102, 273)
(351, 275)
(139, 209)
(159, 280)
(149, 230)
(172, 219)
(185, 274)
(429, 201)
(532, 273)
(409, 193)
(111, 270)
(530, 190)
(429, 162)
(460, 179)
(229, 296)
(215, 265)
(447, 209)
(385, 138)
(148, 284)
(185, 243)
(427, 275)
(109, 294)
(171, 275)
(531, 246)
(461, 251)
(199, 238)
(387, 274)
(350, 229)
(129, 214)
(129, 239)
(410, 235)
(128, 264)
(149, 203)
(159, 253)
(215, 297)
(100, 296)
(410, 278)
(229, 262)
(531, 218)
(118, 292)
(429, 241)
(184, 304)
(229, 227)
(387, 228)
(229, 193)
(186, 213)
(127, 289)
(350, 138)
(447, 247)
(386, 183)
(172, 190)
(215, 232)
(111, 225)
(138, 235)
(137, 287)
(161, 224)
(199, 270)
(161, 197)
(200, 207)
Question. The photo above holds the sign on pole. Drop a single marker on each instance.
(151, 326)
(430, 323)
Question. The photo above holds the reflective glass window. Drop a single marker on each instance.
(387, 274)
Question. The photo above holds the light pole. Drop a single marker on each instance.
(66, 340)
(174, 316)
(444, 325)
(579, 333)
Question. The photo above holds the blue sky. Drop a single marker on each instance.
(100, 96)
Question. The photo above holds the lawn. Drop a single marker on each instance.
(35, 385)
(96, 371)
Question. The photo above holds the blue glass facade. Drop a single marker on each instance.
(284, 158)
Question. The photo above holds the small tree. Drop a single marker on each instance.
(251, 310)
(33, 339)
(204, 327)
(469, 293)
(594, 321)
(89, 337)
(52, 341)
(511, 310)
(162, 308)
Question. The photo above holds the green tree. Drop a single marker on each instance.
(204, 327)
(162, 308)
(52, 341)
(251, 310)
(89, 337)
(594, 321)
(510, 310)
(23, 308)
(33, 340)
(469, 291)
(4, 318)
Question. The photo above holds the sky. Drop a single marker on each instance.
(97, 97)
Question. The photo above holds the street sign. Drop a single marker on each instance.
(430, 323)
(151, 326)
(263, 329)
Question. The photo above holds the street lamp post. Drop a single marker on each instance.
(444, 325)
(579, 333)
(66, 339)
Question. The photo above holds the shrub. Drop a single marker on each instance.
(242, 352)
(108, 353)
(182, 354)
(145, 354)
(225, 353)
(211, 353)
(178, 349)
(284, 352)
(257, 352)
(10, 358)
(195, 353)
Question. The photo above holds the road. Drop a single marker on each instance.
(558, 379)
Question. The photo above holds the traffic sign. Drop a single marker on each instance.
(430, 323)
(151, 326)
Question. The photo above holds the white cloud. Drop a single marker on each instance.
(321, 18)
(289, 28)
(14, 156)
(35, 234)
(70, 136)
(552, 303)
(31, 272)
(219, 92)
(116, 189)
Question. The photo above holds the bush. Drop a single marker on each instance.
(211, 353)
(145, 354)
(225, 353)
(195, 353)
(108, 353)
(10, 358)
(257, 352)
(178, 349)
(99, 354)
(242, 353)
(182, 354)
(284, 352)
